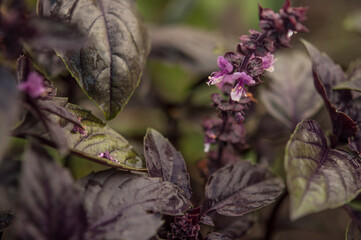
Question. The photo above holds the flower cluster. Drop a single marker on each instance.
(242, 69)
(186, 226)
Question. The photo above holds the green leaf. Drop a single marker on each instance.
(8, 106)
(318, 177)
(96, 138)
(108, 67)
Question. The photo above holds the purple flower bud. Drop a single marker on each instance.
(33, 85)
(268, 62)
(278, 26)
(239, 117)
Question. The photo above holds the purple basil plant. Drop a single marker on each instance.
(66, 174)
(241, 70)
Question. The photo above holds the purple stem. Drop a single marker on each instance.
(225, 117)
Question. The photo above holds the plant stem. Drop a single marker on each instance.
(272, 220)
(249, 55)
(221, 144)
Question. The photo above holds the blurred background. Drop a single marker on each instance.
(187, 37)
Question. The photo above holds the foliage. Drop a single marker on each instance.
(148, 190)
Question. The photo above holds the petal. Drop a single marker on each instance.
(207, 146)
(214, 80)
(224, 65)
(237, 93)
(243, 77)
(268, 61)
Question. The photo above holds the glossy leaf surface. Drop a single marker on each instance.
(240, 188)
(164, 161)
(318, 177)
(108, 67)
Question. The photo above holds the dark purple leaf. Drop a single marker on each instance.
(22, 68)
(291, 96)
(207, 220)
(108, 67)
(53, 130)
(355, 143)
(342, 125)
(241, 188)
(217, 236)
(327, 75)
(51, 207)
(234, 227)
(44, 6)
(54, 107)
(10, 172)
(353, 110)
(164, 161)
(330, 74)
(130, 224)
(9, 185)
(8, 107)
(124, 190)
(318, 177)
(114, 199)
(5, 220)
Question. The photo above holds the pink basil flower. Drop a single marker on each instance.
(268, 62)
(219, 76)
(239, 91)
(33, 85)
